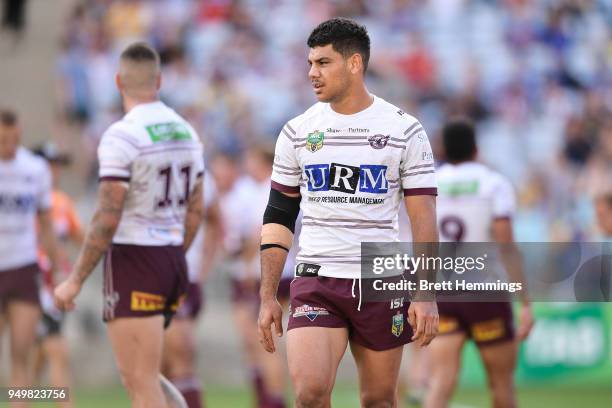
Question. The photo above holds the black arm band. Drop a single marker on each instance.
(282, 209)
(266, 246)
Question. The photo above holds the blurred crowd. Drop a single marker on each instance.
(535, 75)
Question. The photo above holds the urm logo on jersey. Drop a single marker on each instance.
(367, 178)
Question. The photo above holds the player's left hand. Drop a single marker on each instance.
(65, 293)
(423, 317)
(525, 322)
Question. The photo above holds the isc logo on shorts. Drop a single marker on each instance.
(147, 302)
(368, 178)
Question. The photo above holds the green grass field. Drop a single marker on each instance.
(346, 397)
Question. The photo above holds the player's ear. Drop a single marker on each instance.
(118, 81)
(355, 63)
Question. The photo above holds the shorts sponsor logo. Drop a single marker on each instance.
(368, 178)
(427, 156)
(489, 330)
(305, 269)
(378, 141)
(147, 302)
(311, 312)
(314, 141)
(447, 325)
(397, 324)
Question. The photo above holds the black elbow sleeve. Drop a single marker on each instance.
(282, 210)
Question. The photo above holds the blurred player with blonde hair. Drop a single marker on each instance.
(149, 209)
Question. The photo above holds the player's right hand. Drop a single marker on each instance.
(270, 311)
(65, 293)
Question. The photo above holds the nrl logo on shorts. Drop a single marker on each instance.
(314, 141)
(378, 141)
(397, 324)
(311, 312)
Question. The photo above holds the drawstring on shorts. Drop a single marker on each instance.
(360, 294)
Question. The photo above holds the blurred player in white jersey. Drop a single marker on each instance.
(52, 350)
(242, 200)
(25, 197)
(180, 357)
(258, 163)
(149, 209)
(347, 162)
(476, 204)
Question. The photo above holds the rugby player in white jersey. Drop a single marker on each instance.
(25, 197)
(179, 363)
(476, 204)
(149, 208)
(346, 162)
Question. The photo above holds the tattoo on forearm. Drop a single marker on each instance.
(111, 198)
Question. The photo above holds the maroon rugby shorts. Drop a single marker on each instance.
(20, 284)
(484, 322)
(142, 281)
(319, 301)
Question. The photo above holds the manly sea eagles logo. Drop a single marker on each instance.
(314, 141)
(378, 141)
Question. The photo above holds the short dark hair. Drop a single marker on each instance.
(346, 37)
(459, 136)
(8, 117)
(140, 52)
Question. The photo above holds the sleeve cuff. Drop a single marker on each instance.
(420, 191)
(285, 189)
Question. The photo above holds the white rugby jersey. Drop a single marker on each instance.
(351, 171)
(161, 156)
(471, 197)
(194, 255)
(25, 188)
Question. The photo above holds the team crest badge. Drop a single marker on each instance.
(397, 324)
(378, 141)
(310, 312)
(314, 141)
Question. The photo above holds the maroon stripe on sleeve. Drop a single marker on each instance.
(420, 191)
(285, 189)
(113, 178)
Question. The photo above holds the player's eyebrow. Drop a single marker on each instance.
(318, 60)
